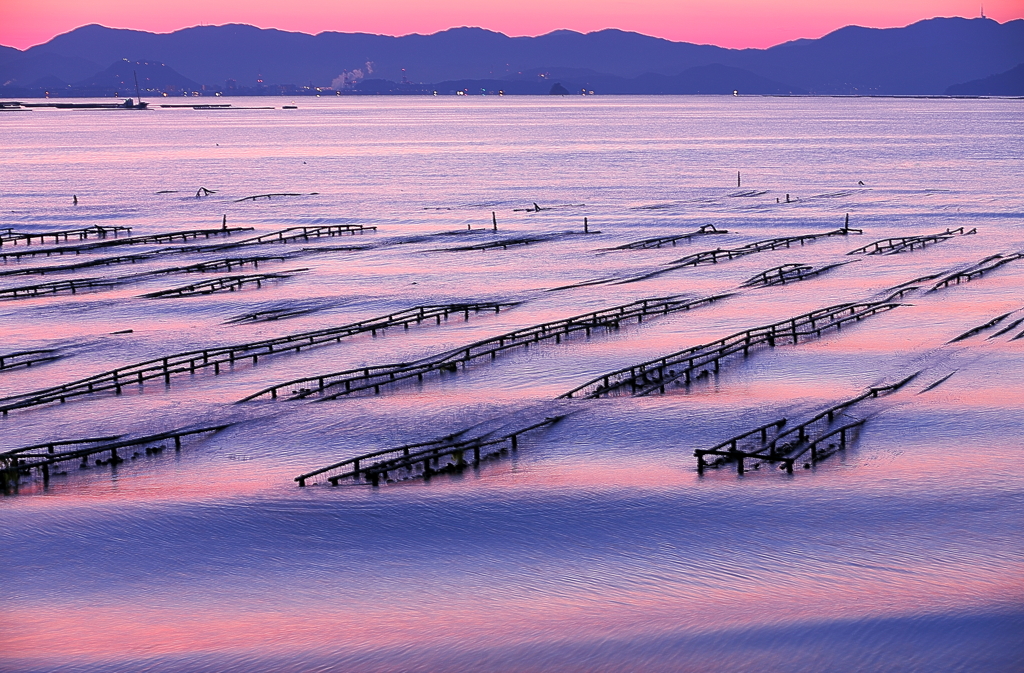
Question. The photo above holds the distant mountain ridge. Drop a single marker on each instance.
(1009, 83)
(924, 58)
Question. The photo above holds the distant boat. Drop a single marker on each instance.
(199, 106)
(128, 104)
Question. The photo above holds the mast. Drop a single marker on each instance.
(137, 94)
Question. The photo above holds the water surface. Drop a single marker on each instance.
(596, 546)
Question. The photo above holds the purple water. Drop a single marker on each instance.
(597, 546)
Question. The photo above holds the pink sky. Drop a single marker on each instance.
(728, 23)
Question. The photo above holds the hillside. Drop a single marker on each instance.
(924, 58)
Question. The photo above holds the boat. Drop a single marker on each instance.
(128, 104)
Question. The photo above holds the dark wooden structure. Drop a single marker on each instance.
(270, 315)
(705, 230)
(213, 358)
(222, 284)
(215, 285)
(452, 453)
(988, 325)
(686, 365)
(373, 378)
(820, 436)
(66, 268)
(719, 254)
(503, 243)
(293, 234)
(99, 231)
(894, 246)
(1008, 328)
(215, 265)
(788, 273)
(21, 462)
(266, 196)
(724, 254)
(72, 286)
(978, 270)
(168, 237)
(27, 358)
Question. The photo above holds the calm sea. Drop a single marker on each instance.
(596, 546)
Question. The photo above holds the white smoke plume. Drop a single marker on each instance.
(349, 78)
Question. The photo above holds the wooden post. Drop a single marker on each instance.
(494, 220)
(586, 228)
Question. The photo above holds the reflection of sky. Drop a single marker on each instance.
(598, 534)
(529, 566)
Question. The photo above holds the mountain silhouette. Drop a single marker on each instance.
(1009, 83)
(926, 57)
(152, 77)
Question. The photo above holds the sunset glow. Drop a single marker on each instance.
(496, 336)
(727, 23)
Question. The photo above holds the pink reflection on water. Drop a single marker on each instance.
(908, 460)
(252, 626)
